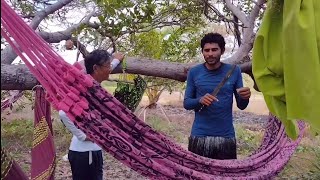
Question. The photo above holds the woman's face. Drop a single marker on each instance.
(102, 71)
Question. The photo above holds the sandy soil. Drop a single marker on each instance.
(256, 106)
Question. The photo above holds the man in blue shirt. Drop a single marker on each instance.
(212, 133)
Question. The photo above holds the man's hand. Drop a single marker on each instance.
(207, 99)
(118, 55)
(244, 92)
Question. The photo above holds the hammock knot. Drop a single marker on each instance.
(88, 81)
(68, 101)
(76, 72)
(83, 103)
(63, 106)
(76, 109)
(59, 66)
(78, 66)
(74, 90)
(80, 87)
(69, 77)
(73, 96)
(50, 99)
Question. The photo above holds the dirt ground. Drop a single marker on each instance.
(173, 110)
(256, 105)
(175, 99)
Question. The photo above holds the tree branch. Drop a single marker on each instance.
(56, 37)
(14, 96)
(248, 37)
(50, 37)
(8, 55)
(247, 68)
(82, 48)
(255, 11)
(217, 12)
(113, 43)
(237, 12)
(17, 77)
(40, 15)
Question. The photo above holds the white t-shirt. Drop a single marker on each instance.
(78, 142)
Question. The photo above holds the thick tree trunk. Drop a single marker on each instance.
(18, 77)
(150, 67)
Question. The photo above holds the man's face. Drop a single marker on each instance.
(211, 53)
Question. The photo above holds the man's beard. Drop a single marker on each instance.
(212, 61)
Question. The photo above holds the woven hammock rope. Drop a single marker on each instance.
(118, 131)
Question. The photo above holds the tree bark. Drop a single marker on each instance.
(18, 77)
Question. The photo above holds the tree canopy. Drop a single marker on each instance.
(114, 25)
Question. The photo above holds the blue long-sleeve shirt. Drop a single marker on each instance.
(216, 119)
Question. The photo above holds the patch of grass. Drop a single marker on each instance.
(17, 134)
(304, 164)
(163, 126)
(247, 140)
(16, 138)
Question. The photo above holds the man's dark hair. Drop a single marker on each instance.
(213, 38)
(96, 57)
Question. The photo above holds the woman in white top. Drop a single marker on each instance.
(85, 157)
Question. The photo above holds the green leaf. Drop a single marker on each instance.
(101, 19)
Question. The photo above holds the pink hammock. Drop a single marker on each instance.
(119, 132)
(43, 151)
(43, 155)
(10, 170)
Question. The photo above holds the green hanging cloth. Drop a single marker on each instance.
(130, 94)
(127, 92)
(286, 61)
